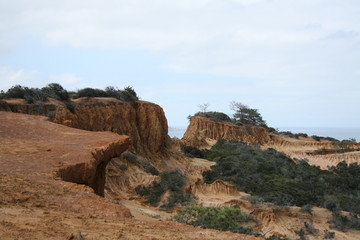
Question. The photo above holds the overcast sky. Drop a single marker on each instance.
(298, 62)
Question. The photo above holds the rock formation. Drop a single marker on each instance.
(202, 131)
(144, 122)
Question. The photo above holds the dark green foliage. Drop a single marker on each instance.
(127, 94)
(245, 115)
(2, 94)
(220, 218)
(343, 223)
(301, 234)
(215, 116)
(31, 95)
(70, 107)
(91, 92)
(329, 235)
(56, 91)
(319, 138)
(343, 146)
(34, 94)
(16, 91)
(276, 237)
(193, 152)
(276, 178)
(148, 167)
(309, 228)
(169, 181)
(293, 135)
(307, 208)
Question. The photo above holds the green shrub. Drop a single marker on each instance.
(215, 116)
(220, 218)
(309, 228)
(56, 91)
(193, 152)
(70, 106)
(277, 237)
(91, 92)
(34, 94)
(329, 235)
(169, 181)
(128, 94)
(16, 91)
(307, 208)
(343, 223)
(293, 135)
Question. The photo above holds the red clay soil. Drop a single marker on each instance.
(35, 203)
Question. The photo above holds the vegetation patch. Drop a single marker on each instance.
(55, 90)
(172, 182)
(274, 177)
(219, 218)
(343, 223)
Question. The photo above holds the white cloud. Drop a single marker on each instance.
(10, 77)
(290, 50)
(65, 79)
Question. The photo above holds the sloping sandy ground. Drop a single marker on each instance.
(299, 148)
(36, 204)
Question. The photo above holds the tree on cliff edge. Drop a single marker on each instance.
(247, 116)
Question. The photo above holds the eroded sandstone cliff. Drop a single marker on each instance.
(201, 132)
(144, 122)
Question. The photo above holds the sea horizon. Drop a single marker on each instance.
(334, 132)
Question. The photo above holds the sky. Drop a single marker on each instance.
(297, 62)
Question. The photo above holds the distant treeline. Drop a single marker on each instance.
(55, 90)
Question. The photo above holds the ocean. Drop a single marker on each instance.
(338, 133)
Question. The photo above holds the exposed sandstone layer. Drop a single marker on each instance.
(202, 131)
(33, 148)
(144, 122)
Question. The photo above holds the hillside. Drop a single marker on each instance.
(203, 133)
(54, 172)
(37, 155)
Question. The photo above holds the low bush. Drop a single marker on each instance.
(215, 116)
(220, 218)
(293, 135)
(193, 152)
(56, 91)
(329, 235)
(70, 106)
(307, 208)
(343, 223)
(173, 182)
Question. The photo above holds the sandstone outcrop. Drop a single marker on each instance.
(202, 131)
(43, 152)
(144, 122)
